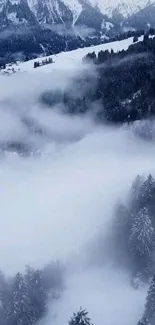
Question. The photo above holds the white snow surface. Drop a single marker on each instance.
(67, 60)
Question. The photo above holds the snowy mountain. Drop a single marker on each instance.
(90, 13)
(51, 12)
(36, 27)
(126, 8)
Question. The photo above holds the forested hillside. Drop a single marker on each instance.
(123, 85)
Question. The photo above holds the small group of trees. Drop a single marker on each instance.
(90, 57)
(24, 297)
(134, 228)
(43, 62)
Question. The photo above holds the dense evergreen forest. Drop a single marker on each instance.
(24, 297)
(123, 85)
(126, 82)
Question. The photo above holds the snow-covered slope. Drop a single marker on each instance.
(67, 60)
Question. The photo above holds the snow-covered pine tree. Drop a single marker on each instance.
(150, 186)
(122, 222)
(37, 293)
(149, 312)
(146, 193)
(3, 297)
(2, 287)
(142, 234)
(53, 274)
(141, 239)
(18, 309)
(5, 289)
(120, 233)
(29, 271)
(80, 318)
(136, 185)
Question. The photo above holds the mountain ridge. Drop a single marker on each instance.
(67, 12)
(51, 26)
(126, 8)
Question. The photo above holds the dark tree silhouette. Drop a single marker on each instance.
(80, 318)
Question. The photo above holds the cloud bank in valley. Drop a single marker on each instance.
(55, 202)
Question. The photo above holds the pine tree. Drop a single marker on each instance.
(2, 287)
(135, 39)
(4, 297)
(18, 310)
(146, 193)
(122, 225)
(149, 312)
(136, 185)
(120, 235)
(2, 316)
(141, 240)
(80, 318)
(37, 293)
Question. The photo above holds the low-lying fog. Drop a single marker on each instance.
(57, 197)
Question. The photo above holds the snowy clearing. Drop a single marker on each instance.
(68, 60)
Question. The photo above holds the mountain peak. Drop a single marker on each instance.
(126, 7)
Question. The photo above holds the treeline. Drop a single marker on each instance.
(29, 47)
(106, 55)
(146, 45)
(24, 297)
